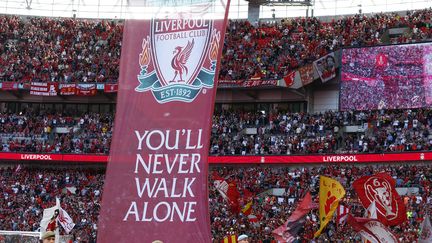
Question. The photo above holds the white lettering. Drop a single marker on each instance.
(162, 211)
(132, 210)
(350, 158)
(142, 162)
(140, 138)
(188, 187)
(149, 138)
(167, 211)
(176, 140)
(191, 210)
(146, 187)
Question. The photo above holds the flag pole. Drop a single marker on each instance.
(57, 231)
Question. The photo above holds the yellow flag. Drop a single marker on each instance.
(331, 192)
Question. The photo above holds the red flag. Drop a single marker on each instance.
(228, 191)
(289, 230)
(233, 197)
(110, 88)
(9, 86)
(289, 78)
(371, 230)
(381, 189)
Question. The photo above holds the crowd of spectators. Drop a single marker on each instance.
(269, 212)
(26, 191)
(56, 133)
(388, 81)
(285, 133)
(77, 50)
(235, 132)
(59, 49)
(271, 50)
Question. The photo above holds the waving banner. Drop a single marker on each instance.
(289, 230)
(381, 189)
(229, 192)
(330, 193)
(156, 183)
(371, 230)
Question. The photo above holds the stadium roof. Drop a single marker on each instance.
(121, 9)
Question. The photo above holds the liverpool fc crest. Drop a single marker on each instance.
(178, 59)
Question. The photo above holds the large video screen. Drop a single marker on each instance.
(386, 77)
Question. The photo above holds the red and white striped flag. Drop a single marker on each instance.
(341, 214)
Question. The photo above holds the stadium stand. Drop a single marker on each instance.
(88, 51)
(276, 133)
(71, 51)
(272, 211)
(56, 133)
(24, 197)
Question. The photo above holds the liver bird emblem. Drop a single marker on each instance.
(178, 63)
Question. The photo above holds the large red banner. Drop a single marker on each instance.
(156, 182)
